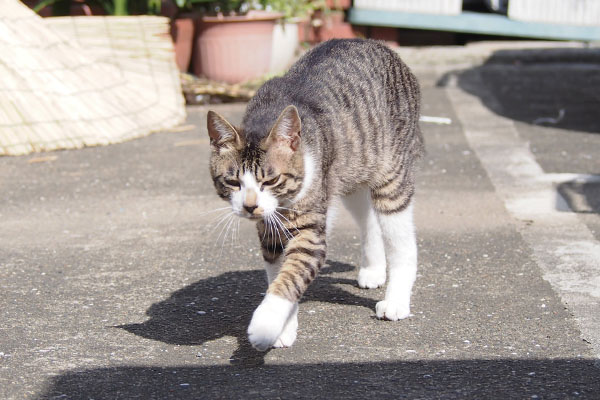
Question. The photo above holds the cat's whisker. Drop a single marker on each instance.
(233, 232)
(286, 232)
(227, 235)
(277, 230)
(274, 231)
(219, 226)
(222, 224)
(226, 229)
(237, 232)
(220, 220)
(265, 232)
(288, 221)
(276, 225)
(287, 208)
(224, 212)
(271, 229)
(213, 211)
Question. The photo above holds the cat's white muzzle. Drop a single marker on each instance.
(250, 201)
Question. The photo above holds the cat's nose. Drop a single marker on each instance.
(250, 209)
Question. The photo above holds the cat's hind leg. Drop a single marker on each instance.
(394, 209)
(401, 250)
(372, 268)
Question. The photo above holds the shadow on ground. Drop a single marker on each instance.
(582, 197)
(222, 306)
(477, 379)
(534, 85)
(558, 88)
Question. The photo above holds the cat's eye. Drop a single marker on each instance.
(231, 182)
(271, 182)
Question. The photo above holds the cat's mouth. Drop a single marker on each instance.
(254, 215)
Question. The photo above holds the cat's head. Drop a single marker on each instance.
(257, 178)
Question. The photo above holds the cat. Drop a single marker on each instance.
(341, 123)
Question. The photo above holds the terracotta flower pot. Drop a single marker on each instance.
(234, 49)
(306, 32)
(338, 4)
(182, 33)
(333, 26)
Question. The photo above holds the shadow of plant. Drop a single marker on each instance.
(223, 305)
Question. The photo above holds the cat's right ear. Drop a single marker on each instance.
(222, 134)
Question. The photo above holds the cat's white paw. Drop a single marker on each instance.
(371, 278)
(391, 311)
(288, 336)
(268, 321)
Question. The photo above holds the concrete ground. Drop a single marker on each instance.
(117, 280)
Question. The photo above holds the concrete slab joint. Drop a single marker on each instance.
(563, 246)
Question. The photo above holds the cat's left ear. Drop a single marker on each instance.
(286, 130)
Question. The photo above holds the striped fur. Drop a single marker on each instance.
(353, 107)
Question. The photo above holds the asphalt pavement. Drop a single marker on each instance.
(119, 280)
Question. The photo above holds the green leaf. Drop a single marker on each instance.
(43, 4)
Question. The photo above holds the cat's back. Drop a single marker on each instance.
(346, 90)
(341, 54)
(359, 84)
(342, 64)
(359, 106)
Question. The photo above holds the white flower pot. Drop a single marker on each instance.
(284, 45)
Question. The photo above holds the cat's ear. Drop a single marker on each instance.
(286, 130)
(222, 133)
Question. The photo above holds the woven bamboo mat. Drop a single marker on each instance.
(83, 81)
(198, 90)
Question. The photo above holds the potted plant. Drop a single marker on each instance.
(329, 22)
(286, 35)
(181, 30)
(94, 7)
(49, 8)
(233, 39)
(181, 25)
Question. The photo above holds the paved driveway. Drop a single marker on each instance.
(117, 280)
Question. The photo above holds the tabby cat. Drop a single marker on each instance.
(342, 123)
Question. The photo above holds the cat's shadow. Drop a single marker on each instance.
(222, 306)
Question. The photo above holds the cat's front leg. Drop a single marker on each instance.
(272, 267)
(269, 320)
(274, 322)
(290, 331)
